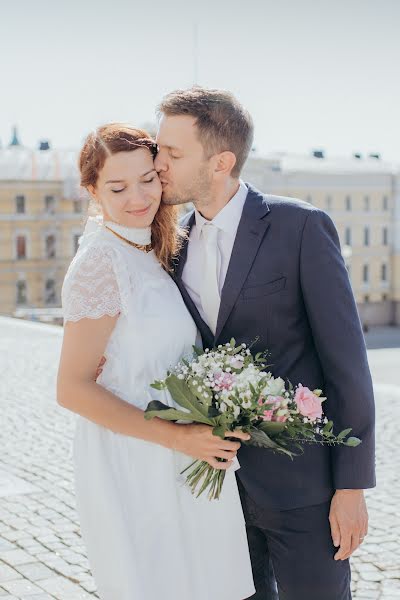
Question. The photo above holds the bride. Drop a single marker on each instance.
(147, 537)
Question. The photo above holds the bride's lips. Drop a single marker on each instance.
(139, 213)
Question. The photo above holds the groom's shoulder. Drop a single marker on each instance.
(288, 207)
(285, 203)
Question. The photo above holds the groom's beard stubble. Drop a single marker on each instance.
(199, 193)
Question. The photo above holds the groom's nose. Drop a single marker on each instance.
(160, 163)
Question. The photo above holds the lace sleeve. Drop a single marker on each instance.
(95, 285)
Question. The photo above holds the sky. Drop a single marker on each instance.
(313, 73)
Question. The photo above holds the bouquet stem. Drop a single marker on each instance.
(204, 476)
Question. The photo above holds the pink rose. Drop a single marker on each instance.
(308, 404)
(280, 419)
(267, 416)
(278, 403)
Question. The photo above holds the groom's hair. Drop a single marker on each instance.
(222, 122)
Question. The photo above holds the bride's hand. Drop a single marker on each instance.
(198, 441)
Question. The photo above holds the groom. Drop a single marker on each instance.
(269, 268)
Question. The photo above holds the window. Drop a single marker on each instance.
(385, 203)
(329, 203)
(366, 299)
(21, 247)
(20, 204)
(76, 242)
(50, 246)
(367, 203)
(50, 292)
(21, 293)
(347, 236)
(385, 236)
(50, 204)
(365, 274)
(77, 206)
(384, 272)
(366, 236)
(384, 297)
(348, 203)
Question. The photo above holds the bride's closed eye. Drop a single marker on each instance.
(118, 191)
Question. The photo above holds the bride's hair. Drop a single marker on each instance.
(119, 137)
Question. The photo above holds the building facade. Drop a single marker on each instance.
(362, 196)
(41, 218)
(42, 215)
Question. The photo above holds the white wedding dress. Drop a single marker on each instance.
(147, 537)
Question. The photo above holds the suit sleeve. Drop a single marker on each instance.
(339, 341)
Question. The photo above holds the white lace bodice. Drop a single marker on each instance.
(154, 329)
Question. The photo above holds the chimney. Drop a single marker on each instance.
(44, 145)
(318, 154)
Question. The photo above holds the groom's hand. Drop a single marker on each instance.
(348, 519)
(100, 367)
(199, 442)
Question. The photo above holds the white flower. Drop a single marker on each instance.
(236, 411)
(274, 387)
(180, 376)
(223, 407)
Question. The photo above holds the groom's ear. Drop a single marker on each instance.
(224, 162)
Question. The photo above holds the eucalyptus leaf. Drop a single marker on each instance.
(352, 442)
(343, 433)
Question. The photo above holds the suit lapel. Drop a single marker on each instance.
(251, 231)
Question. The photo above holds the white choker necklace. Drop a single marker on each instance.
(136, 235)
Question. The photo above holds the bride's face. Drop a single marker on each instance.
(128, 188)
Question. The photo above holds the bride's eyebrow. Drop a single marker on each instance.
(147, 173)
(123, 181)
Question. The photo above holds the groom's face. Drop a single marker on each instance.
(183, 169)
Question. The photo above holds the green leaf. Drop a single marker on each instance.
(328, 427)
(158, 409)
(181, 393)
(343, 433)
(272, 427)
(158, 385)
(352, 442)
(261, 440)
(198, 351)
(219, 431)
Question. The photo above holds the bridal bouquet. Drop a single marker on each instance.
(228, 388)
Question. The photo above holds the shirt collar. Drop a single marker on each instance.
(228, 218)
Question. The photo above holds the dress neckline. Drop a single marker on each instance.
(137, 235)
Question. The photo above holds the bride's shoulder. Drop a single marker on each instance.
(97, 262)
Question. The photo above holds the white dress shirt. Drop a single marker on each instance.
(227, 221)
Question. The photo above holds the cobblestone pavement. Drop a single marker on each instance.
(42, 555)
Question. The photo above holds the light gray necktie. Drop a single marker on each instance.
(209, 293)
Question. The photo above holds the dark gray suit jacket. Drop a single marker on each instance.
(287, 284)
